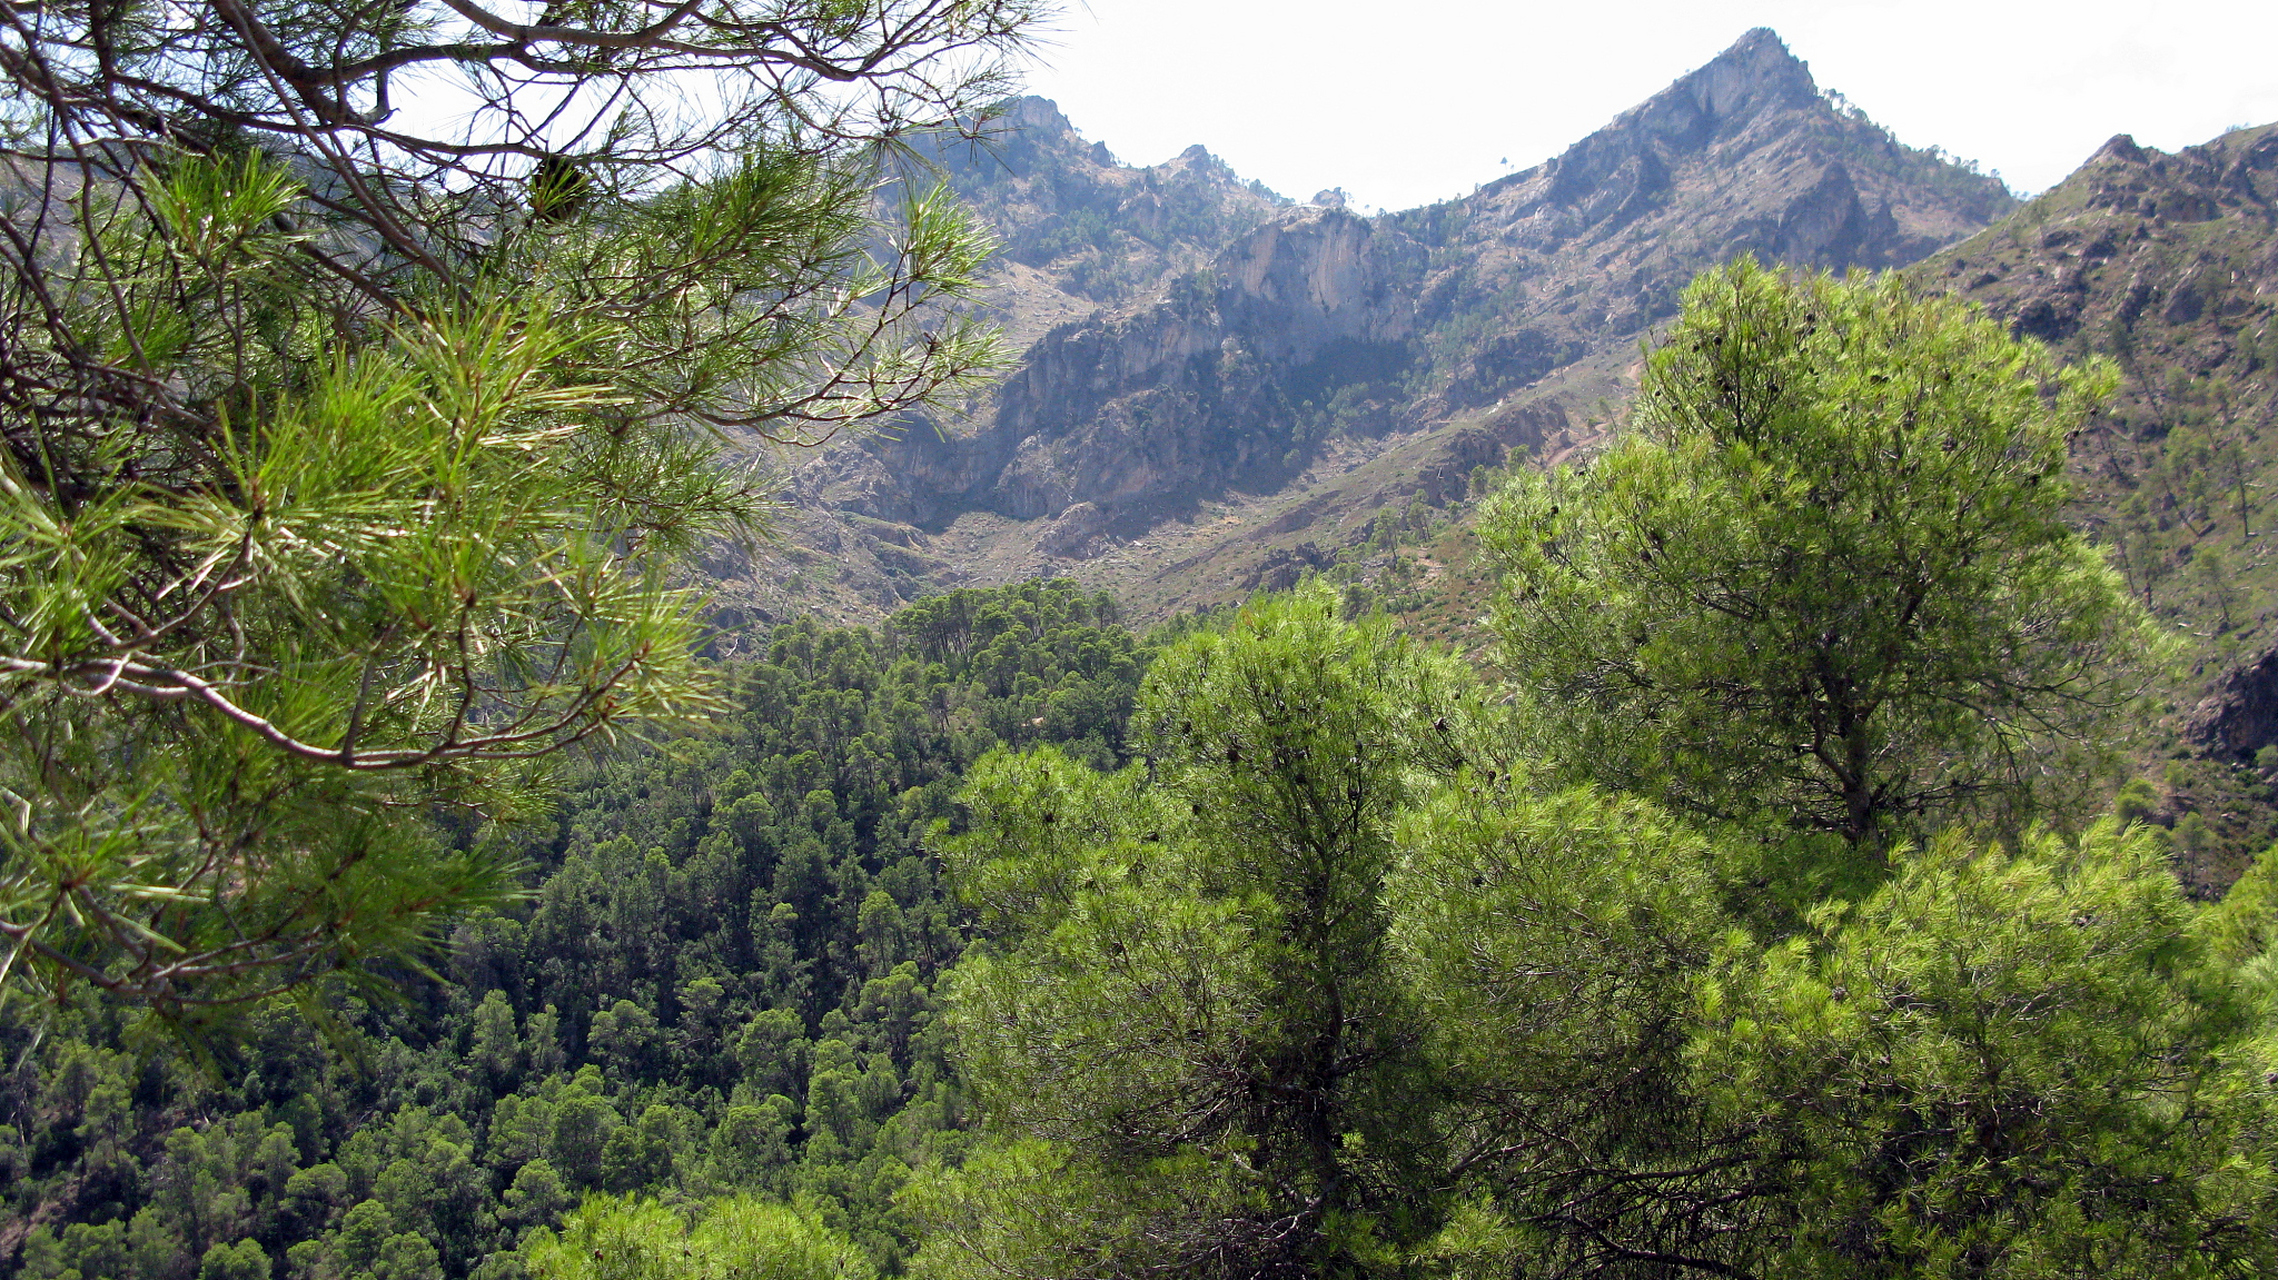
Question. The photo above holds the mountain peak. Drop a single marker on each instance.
(1755, 72)
(2122, 147)
(1034, 114)
(1755, 78)
(1757, 42)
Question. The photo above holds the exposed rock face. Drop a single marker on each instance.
(1095, 229)
(1615, 173)
(1282, 569)
(2240, 715)
(1074, 534)
(1134, 409)
(1314, 278)
(2115, 244)
(1238, 335)
(1448, 475)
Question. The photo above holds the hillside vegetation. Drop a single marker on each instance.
(1703, 711)
(722, 979)
(1758, 924)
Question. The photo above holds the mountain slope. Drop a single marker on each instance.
(2168, 265)
(1212, 416)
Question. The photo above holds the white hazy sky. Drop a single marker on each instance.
(1409, 101)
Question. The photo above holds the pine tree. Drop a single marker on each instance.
(1188, 1038)
(363, 369)
(1824, 576)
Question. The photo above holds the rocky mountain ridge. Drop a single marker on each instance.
(1260, 376)
(2168, 266)
(1297, 389)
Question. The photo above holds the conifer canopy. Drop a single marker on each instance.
(1824, 574)
(363, 368)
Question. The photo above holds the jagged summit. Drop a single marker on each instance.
(1033, 115)
(1758, 63)
(1320, 321)
(1029, 127)
(1098, 231)
(2121, 147)
(2171, 250)
(1229, 342)
(1742, 155)
(1755, 75)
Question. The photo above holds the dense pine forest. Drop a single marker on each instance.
(721, 980)
(1704, 937)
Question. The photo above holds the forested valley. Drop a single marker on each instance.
(1003, 940)
(722, 981)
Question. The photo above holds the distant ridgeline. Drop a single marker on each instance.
(722, 982)
(1185, 339)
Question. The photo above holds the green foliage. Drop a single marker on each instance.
(2241, 928)
(347, 465)
(1824, 577)
(242, 1261)
(1565, 1051)
(1552, 941)
(1324, 979)
(720, 983)
(628, 1239)
(2137, 800)
(1998, 1064)
(251, 842)
(1187, 1032)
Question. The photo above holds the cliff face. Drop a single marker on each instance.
(1189, 340)
(1131, 410)
(1320, 321)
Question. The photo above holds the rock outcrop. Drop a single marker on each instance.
(1202, 390)
(2239, 715)
(1235, 337)
(1092, 228)
(2119, 244)
(1318, 320)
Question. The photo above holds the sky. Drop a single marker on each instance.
(1411, 101)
